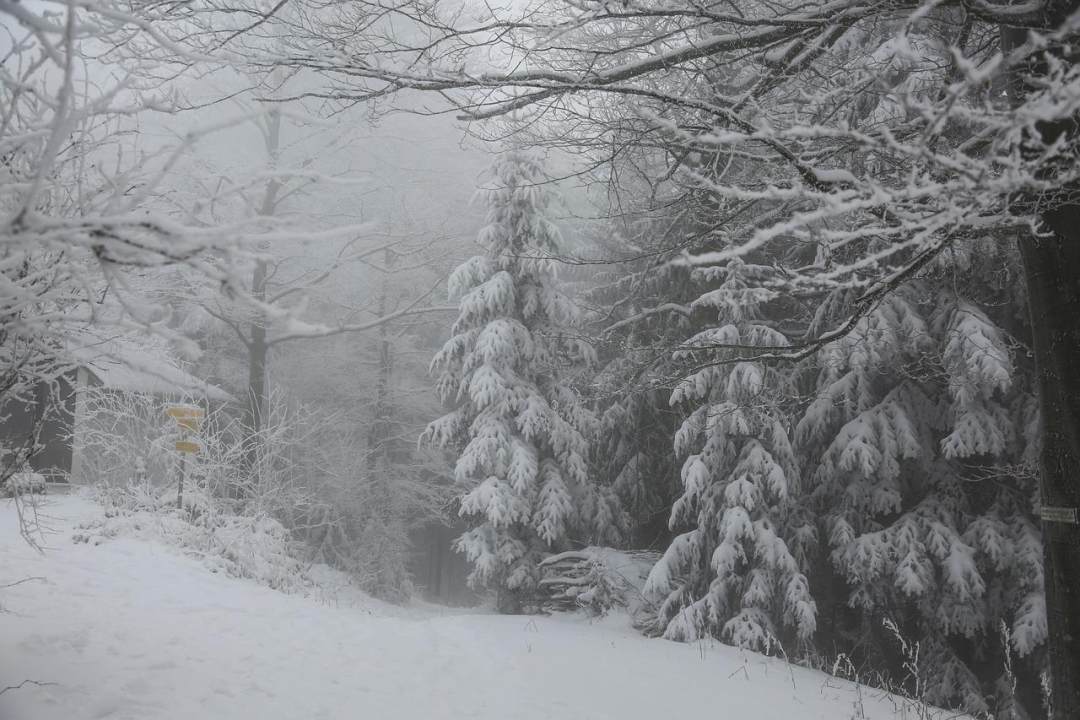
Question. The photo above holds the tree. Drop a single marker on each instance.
(920, 443)
(76, 217)
(311, 290)
(1051, 261)
(521, 431)
(871, 140)
(882, 137)
(733, 573)
(293, 269)
(641, 310)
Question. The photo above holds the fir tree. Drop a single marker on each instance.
(919, 445)
(520, 429)
(732, 573)
(633, 453)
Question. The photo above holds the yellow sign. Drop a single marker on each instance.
(184, 411)
(188, 423)
(187, 446)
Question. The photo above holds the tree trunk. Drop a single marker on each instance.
(257, 360)
(1052, 266)
(257, 347)
(1052, 271)
(381, 429)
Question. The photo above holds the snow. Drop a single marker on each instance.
(122, 363)
(23, 483)
(133, 629)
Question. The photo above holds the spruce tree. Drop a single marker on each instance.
(920, 449)
(732, 573)
(519, 428)
(632, 455)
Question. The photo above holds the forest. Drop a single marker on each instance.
(756, 322)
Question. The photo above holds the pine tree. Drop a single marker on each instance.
(732, 573)
(633, 454)
(920, 447)
(520, 429)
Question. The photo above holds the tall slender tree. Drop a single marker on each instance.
(520, 430)
(733, 572)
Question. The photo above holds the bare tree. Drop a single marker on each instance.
(77, 216)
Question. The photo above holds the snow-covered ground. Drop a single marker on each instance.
(134, 629)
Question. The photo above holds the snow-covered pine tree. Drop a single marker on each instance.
(920, 450)
(519, 427)
(733, 572)
(646, 311)
(634, 457)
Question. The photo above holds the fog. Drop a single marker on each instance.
(554, 358)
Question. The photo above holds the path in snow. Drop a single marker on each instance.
(131, 629)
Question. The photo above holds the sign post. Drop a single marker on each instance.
(188, 418)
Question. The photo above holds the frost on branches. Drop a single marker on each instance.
(920, 442)
(520, 429)
(732, 573)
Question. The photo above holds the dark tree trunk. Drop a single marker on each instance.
(1052, 266)
(1052, 269)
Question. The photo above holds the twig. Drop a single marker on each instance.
(25, 579)
(39, 683)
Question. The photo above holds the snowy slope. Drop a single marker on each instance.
(131, 629)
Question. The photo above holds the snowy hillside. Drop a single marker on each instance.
(131, 629)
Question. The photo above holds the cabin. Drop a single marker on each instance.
(57, 409)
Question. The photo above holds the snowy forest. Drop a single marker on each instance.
(749, 328)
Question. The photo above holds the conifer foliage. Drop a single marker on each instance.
(919, 446)
(732, 573)
(519, 428)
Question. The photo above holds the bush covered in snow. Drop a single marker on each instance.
(22, 483)
(241, 519)
(246, 546)
(254, 506)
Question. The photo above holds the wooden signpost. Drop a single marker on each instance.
(185, 411)
(188, 419)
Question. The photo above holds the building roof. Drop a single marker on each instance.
(123, 363)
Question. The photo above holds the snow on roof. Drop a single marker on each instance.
(121, 363)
